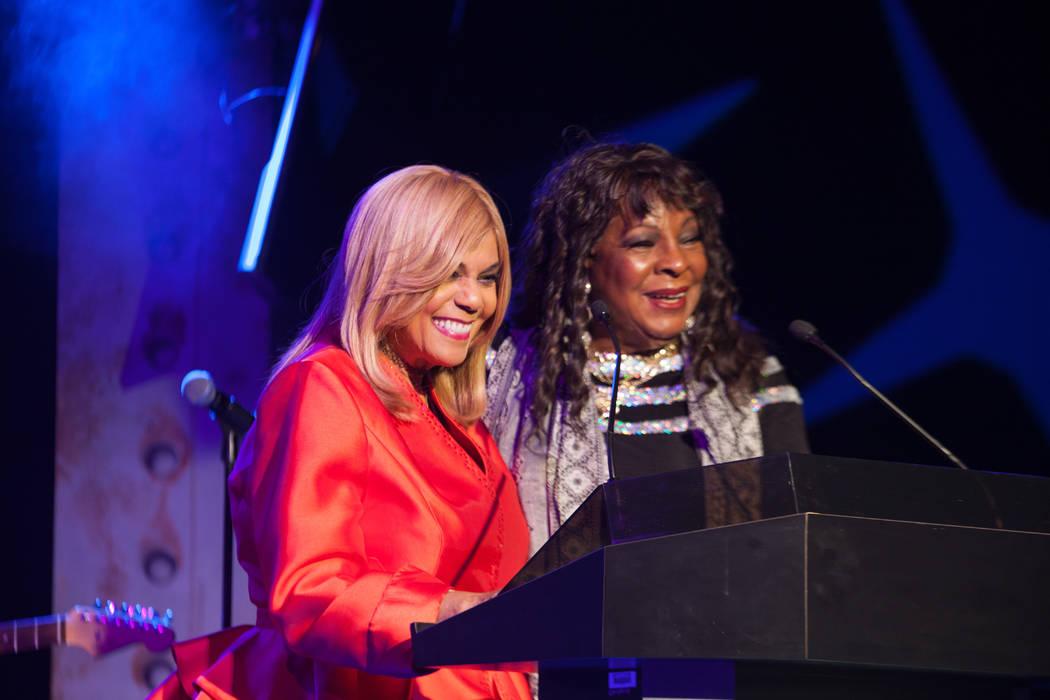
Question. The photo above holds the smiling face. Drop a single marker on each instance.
(649, 272)
(442, 333)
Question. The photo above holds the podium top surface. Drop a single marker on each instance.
(784, 484)
(787, 484)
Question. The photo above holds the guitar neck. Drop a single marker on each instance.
(32, 633)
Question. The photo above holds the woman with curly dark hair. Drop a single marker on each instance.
(637, 228)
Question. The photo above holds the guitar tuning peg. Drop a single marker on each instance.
(124, 606)
(111, 607)
(168, 614)
(98, 603)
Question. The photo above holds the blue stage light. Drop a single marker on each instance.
(260, 217)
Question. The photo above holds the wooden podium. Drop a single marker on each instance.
(780, 577)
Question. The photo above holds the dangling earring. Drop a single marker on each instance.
(689, 323)
(585, 336)
(587, 301)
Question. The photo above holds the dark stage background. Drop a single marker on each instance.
(885, 167)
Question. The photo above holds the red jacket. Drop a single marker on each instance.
(351, 524)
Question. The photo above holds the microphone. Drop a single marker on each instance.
(601, 312)
(807, 332)
(199, 389)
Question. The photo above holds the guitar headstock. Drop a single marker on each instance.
(105, 627)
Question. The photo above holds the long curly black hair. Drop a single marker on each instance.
(571, 209)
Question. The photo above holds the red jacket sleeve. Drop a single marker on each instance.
(301, 492)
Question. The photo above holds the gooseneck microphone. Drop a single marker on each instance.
(199, 389)
(601, 312)
(807, 332)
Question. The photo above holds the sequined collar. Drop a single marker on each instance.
(635, 368)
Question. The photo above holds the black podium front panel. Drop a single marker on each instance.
(809, 588)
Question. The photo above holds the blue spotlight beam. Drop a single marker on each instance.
(253, 240)
(678, 126)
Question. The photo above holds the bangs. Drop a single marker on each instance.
(469, 226)
(429, 239)
(452, 237)
(639, 193)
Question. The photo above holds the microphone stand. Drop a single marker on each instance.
(600, 311)
(612, 409)
(807, 333)
(231, 444)
(199, 389)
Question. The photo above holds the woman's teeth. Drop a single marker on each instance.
(452, 327)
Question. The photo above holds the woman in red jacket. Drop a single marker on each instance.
(367, 495)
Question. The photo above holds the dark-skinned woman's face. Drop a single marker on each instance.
(649, 273)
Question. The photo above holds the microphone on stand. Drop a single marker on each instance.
(807, 332)
(601, 312)
(199, 389)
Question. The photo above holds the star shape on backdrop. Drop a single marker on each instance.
(991, 275)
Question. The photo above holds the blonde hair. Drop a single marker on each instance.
(406, 235)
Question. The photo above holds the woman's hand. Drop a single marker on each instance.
(456, 602)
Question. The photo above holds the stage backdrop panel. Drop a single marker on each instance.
(155, 193)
